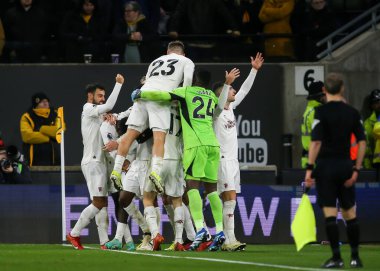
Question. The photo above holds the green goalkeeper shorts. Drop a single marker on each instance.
(202, 163)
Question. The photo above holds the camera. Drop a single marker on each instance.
(14, 154)
(5, 163)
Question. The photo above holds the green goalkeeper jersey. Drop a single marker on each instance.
(196, 107)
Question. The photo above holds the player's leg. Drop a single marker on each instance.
(95, 175)
(159, 122)
(228, 187)
(151, 218)
(348, 207)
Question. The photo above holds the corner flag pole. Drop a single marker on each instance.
(61, 139)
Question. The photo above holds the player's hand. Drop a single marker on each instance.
(136, 94)
(351, 181)
(119, 79)
(231, 76)
(257, 62)
(110, 146)
(116, 180)
(309, 181)
(126, 165)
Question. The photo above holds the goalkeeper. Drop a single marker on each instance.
(201, 157)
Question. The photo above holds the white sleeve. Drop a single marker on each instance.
(124, 114)
(245, 88)
(188, 72)
(103, 108)
(222, 100)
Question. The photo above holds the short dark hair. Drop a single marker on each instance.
(216, 87)
(91, 88)
(121, 126)
(333, 83)
(135, 6)
(176, 45)
(202, 78)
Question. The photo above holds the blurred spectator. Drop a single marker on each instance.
(2, 38)
(38, 128)
(315, 98)
(25, 27)
(202, 17)
(83, 32)
(275, 15)
(133, 36)
(372, 129)
(246, 14)
(167, 8)
(13, 170)
(312, 25)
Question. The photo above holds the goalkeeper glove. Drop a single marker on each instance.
(136, 94)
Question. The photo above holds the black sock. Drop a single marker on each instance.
(332, 232)
(353, 236)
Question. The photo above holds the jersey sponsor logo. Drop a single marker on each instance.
(252, 150)
(230, 124)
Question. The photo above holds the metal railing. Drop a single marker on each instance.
(331, 46)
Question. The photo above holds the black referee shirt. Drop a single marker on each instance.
(334, 123)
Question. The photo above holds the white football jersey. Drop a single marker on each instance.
(168, 71)
(173, 141)
(108, 133)
(226, 133)
(92, 139)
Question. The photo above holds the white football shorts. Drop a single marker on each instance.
(156, 114)
(228, 176)
(133, 181)
(96, 177)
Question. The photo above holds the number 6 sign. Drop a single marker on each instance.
(305, 75)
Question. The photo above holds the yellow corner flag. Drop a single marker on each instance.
(303, 226)
(60, 125)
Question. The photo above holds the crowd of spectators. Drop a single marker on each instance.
(35, 31)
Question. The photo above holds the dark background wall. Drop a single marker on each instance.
(64, 85)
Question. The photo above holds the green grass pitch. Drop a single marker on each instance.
(15, 257)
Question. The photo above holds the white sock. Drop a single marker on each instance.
(170, 211)
(120, 230)
(119, 161)
(135, 214)
(188, 223)
(229, 220)
(158, 215)
(157, 163)
(179, 217)
(127, 234)
(85, 217)
(151, 218)
(102, 222)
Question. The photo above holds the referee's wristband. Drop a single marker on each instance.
(309, 166)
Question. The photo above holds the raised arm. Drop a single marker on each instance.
(256, 63)
(111, 101)
(154, 95)
(230, 78)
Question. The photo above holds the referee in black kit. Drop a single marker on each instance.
(331, 167)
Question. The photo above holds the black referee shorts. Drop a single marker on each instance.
(330, 175)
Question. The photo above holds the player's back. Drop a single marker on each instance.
(197, 108)
(167, 72)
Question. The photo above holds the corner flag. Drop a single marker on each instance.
(58, 134)
(303, 225)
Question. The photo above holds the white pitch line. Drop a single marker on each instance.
(212, 260)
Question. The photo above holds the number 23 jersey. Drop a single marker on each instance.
(196, 107)
(168, 71)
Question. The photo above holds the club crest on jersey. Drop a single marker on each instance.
(230, 124)
(225, 185)
(100, 189)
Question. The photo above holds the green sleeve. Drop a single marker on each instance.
(156, 95)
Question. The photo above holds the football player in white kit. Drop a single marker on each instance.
(110, 130)
(93, 161)
(173, 180)
(165, 73)
(229, 171)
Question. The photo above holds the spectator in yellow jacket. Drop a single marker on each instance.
(38, 128)
(275, 15)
